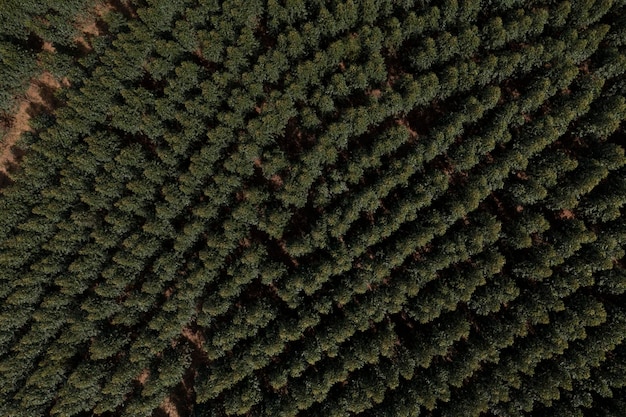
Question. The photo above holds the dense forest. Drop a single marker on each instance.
(314, 208)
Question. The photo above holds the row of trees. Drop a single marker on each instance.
(307, 208)
(24, 26)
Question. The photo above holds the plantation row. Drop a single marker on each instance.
(310, 208)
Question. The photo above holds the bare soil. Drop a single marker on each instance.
(40, 94)
(91, 26)
(566, 215)
(143, 377)
(38, 97)
(167, 409)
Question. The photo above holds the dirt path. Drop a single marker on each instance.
(90, 26)
(181, 399)
(40, 94)
(38, 97)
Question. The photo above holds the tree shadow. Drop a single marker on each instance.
(5, 180)
(124, 8)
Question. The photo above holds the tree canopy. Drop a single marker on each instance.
(316, 208)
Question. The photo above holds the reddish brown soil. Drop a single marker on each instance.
(168, 408)
(143, 377)
(38, 97)
(180, 401)
(89, 27)
(40, 94)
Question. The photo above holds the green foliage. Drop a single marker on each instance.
(317, 208)
(24, 26)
